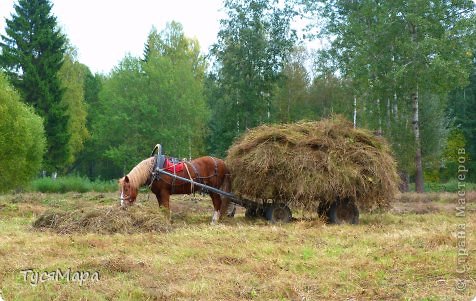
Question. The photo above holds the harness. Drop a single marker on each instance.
(159, 165)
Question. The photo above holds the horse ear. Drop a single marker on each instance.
(126, 179)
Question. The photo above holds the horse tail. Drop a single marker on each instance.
(227, 207)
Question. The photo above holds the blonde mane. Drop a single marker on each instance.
(141, 172)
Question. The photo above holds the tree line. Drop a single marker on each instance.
(405, 69)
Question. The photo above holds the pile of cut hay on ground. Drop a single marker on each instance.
(104, 220)
(310, 163)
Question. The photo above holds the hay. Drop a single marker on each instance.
(104, 220)
(310, 163)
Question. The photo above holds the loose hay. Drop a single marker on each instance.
(110, 219)
(310, 163)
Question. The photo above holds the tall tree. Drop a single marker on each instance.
(157, 100)
(330, 95)
(32, 54)
(405, 47)
(86, 162)
(461, 111)
(291, 93)
(254, 42)
(72, 76)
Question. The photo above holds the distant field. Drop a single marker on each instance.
(408, 253)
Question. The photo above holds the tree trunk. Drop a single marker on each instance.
(419, 185)
(379, 113)
(355, 111)
(404, 181)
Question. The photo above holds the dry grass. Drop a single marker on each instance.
(389, 256)
(308, 163)
(104, 219)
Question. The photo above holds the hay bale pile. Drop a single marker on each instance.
(104, 220)
(310, 163)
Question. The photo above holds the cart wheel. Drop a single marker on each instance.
(343, 211)
(278, 213)
(322, 210)
(251, 212)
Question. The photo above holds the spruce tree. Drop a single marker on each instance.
(32, 54)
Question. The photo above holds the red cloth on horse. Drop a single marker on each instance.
(171, 167)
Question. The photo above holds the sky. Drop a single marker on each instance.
(105, 31)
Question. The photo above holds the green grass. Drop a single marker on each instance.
(71, 184)
(388, 256)
(450, 186)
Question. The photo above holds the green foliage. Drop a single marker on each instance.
(395, 46)
(253, 45)
(86, 160)
(71, 183)
(462, 109)
(392, 50)
(434, 129)
(32, 54)
(157, 100)
(450, 186)
(456, 141)
(331, 95)
(22, 139)
(72, 76)
(291, 93)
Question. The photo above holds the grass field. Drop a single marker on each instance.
(408, 253)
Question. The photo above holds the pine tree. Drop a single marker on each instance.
(32, 55)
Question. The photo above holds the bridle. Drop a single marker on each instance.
(123, 197)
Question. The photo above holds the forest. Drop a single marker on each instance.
(405, 69)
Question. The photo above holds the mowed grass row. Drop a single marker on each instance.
(389, 256)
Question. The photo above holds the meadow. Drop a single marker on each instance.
(407, 253)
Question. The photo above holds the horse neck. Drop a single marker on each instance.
(139, 175)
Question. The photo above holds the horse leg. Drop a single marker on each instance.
(165, 197)
(216, 205)
(159, 200)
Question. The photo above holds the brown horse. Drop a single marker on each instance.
(206, 170)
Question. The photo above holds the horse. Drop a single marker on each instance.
(206, 170)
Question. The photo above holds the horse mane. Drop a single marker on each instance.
(141, 172)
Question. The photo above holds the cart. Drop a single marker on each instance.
(276, 211)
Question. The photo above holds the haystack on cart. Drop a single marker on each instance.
(327, 167)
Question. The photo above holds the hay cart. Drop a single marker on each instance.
(341, 211)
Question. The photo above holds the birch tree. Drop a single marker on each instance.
(401, 48)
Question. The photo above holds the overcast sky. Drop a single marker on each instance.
(105, 31)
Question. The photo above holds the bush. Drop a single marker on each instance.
(72, 183)
(22, 139)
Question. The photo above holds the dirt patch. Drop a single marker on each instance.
(424, 203)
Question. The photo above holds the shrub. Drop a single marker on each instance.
(22, 139)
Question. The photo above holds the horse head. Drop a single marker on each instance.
(128, 192)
